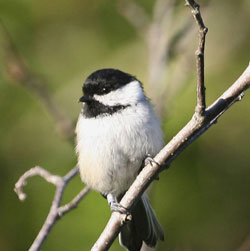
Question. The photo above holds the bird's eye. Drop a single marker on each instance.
(102, 90)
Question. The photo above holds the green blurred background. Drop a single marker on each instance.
(203, 200)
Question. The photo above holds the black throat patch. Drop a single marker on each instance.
(94, 108)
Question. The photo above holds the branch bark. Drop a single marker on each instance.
(202, 120)
(56, 211)
(193, 129)
(201, 97)
(21, 74)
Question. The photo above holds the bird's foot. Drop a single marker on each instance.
(115, 206)
(149, 160)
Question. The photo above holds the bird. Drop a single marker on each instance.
(116, 130)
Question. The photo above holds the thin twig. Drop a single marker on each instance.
(193, 129)
(53, 179)
(201, 98)
(19, 72)
(184, 138)
(74, 203)
(56, 211)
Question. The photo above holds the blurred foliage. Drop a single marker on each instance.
(202, 201)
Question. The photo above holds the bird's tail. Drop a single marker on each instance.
(144, 226)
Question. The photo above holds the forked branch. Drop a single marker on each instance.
(56, 211)
(21, 74)
(193, 129)
(202, 120)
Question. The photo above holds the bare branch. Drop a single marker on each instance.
(56, 211)
(54, 179)
(74, 203)
(193, 129)
(201, 98)
(18, 72)
(201, 121)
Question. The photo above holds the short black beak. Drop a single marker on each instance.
(85, 99)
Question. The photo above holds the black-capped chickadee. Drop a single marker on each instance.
(116, 130)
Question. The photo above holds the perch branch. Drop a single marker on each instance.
(202, 120)
(193, 129)
(56, 211)
(201, 98)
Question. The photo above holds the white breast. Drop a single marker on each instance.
(111, 148)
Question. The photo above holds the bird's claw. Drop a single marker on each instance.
(117, 207)
(149, 160)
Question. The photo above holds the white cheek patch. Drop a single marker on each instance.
(128, 94)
